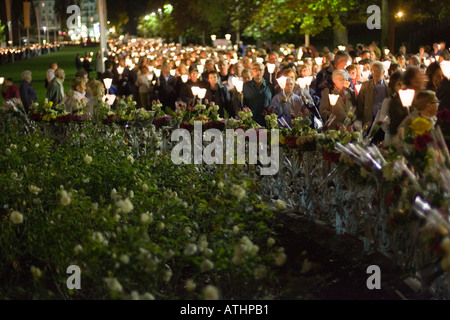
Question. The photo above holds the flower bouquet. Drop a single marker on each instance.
(125, 110)
(161, 118)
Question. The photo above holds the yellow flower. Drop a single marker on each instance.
(420, 125)
(282, 139)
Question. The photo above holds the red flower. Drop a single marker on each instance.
(389, 199)
(265, 112)
(444, 115)
(292, 116)
(291, 141)
(331, 156)
(306, 112)
(420, 142)
(325, 127)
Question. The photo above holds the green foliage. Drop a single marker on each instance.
(2, 32)
(133, 226)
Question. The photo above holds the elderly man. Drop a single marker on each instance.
(55, 90)
(257, 93)
(344, 103)
(286, 104)
(324, 79)
(27, 92)
(371, 96)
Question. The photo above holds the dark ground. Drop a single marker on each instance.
(339, 266)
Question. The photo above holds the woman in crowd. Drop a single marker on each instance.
(76, 97)
(395, 84)
(96, 91)
(435, 76)
(413, 78)
(144, 86)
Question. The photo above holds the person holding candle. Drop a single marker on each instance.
(395, 84)
(426, 107)
(166, 87)
(216, 92)
(142, 82)
(286, 103)
(413, 78)
(184, 90)
(371, 96)
(344, 103)
(324, 77)
(96, 91)
(126, 80)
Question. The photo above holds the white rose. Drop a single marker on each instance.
(78, 248)
(210, 292)
(36, 272)
(260, 272)
(270, 241)
(87, 159)
(161, 225)
(147, 296)
(113, 284)
(97, 237)
(125, 205)
(145, 187)
(124, 259)
(280, 205)
(65, 198)
(237, 191)
(190, 249)
(130, 158)
(206, 265)
(167, 275)
(34, 190)
(14, 175)
(190, 285)
(16, 217)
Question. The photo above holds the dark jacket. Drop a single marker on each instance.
(27, 94)
(396, 114)
(257, 100)
(167, 94)
(324, 80)
(221, 97)
(443, 94)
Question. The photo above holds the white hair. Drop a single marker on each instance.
(26, 74)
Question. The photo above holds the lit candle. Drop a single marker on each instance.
(445, 66)
(333, 99)
(407, 97)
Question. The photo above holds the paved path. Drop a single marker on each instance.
(339, 265)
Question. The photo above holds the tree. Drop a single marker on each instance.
(2, 32)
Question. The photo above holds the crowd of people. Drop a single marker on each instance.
(286, 80)
(10, 55)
